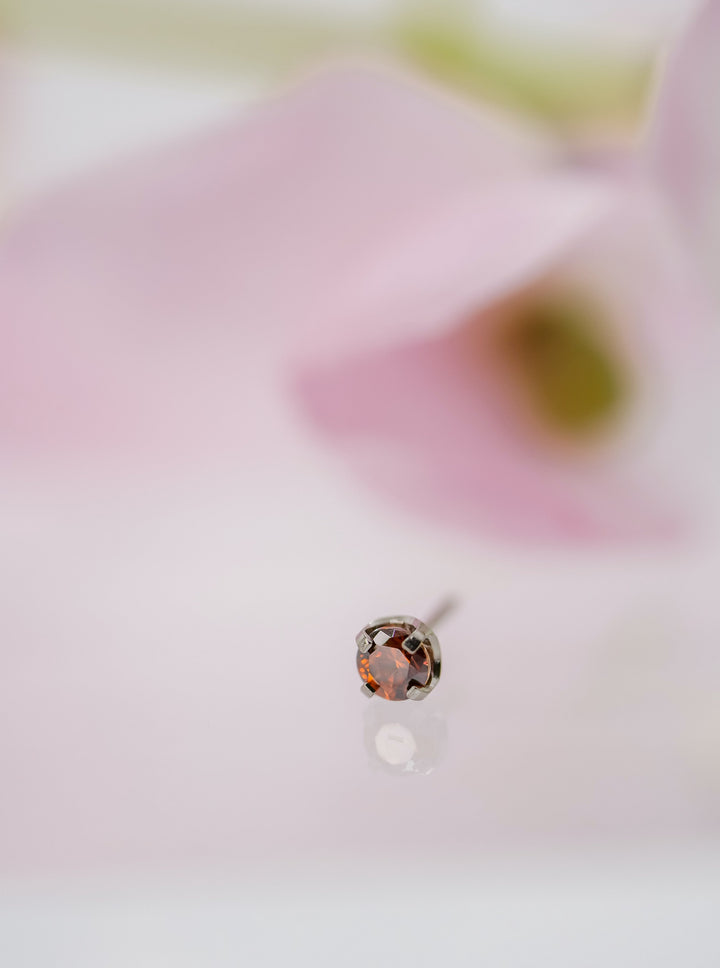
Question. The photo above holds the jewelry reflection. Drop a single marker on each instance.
(405, 739)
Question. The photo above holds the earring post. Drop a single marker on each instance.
(446, 606)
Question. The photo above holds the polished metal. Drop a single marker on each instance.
(413, 642)
(363, 641)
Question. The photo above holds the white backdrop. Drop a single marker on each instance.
(570, 820)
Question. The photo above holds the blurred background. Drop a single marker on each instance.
(312, 312)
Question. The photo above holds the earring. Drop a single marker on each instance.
(399, 656)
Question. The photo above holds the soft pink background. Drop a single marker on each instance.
(178, 696)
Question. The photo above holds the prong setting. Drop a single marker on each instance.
(413, 642)
(398, 658)
(363, 642)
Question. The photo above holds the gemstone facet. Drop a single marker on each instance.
(387, 669)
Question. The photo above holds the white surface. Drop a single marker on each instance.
(637, 21)
(664, 915)
(68, 114)
(178, 693)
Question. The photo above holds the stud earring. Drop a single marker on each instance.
(398, 656)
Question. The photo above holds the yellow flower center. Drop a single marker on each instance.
(562, 363)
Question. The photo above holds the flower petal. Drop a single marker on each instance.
(126, 296)
(684, 142)
(480, 242)
(428, 423)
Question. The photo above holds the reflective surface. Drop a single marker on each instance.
(405, 739)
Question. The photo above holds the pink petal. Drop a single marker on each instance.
(492, 237)
(125, 298)
(425, 423)
(684, 143)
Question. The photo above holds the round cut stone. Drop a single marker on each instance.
(390, 671)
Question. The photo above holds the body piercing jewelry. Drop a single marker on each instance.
(399, 656)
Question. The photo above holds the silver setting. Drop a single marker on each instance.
(413, 642)
(420, 636)
(367, 690)
(363, 642)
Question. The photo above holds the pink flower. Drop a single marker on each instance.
(129, 299)
(567, 398)
(483, 327)
(684, 141)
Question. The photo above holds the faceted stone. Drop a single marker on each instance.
(388, 670)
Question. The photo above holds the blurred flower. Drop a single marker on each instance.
(684, 142)
(574, 66)
(559, 404)
(536, 62)
(568, 403)
(484, 327)
(131, 298)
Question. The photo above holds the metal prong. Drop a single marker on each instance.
(416, 693)
(380, 638)
(413, 642)
(367, 690)
(364, 642)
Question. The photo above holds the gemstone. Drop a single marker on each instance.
(388, 670)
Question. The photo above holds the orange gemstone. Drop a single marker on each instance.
(389, 670)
